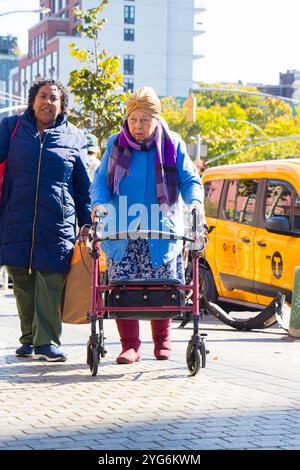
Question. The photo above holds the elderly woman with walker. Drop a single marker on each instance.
(144, 177)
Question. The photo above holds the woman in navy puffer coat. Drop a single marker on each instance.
(46, 186)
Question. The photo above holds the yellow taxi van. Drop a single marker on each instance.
(253, 247)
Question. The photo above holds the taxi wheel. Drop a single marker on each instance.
(207, 284)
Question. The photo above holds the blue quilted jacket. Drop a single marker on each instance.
(46, 186)
(138, 199)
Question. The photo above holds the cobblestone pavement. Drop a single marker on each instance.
(248, 396)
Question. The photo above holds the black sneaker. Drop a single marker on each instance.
(48, 352)
(25, 350)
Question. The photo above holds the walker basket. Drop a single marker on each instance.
(146, 293)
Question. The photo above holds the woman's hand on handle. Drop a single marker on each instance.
(100, 209)
(200, 211)
(83, 234)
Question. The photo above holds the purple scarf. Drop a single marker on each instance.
(165, 163)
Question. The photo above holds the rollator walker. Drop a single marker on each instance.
(145, 299)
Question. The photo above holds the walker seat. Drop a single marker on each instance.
(145, 293)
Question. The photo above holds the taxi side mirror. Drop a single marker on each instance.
(278, 224)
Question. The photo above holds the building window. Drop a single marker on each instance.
(129, 14)
(36, 46)
(34, 71)
(128, 65)
(55, 4)
(54, 65)
(23, 83)
(42, 68)
(41, 43)
(128, 84)
(48, 70)
(128, 34)
(28, 77)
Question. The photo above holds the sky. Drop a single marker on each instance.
(17, 24)
(247, 40)
(250, 40)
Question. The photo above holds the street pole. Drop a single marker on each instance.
(294, 326)
(39, 10)
(255, 126)
(198, 149)
(262, 142)
(21, 107)
(202, 89)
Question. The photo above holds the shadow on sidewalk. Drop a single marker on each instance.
(26, 371)
(248, 340)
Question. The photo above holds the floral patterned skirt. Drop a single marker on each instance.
(136, 264)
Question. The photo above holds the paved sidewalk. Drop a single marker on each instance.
(248, 397)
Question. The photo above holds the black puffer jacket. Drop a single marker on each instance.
(46, 186)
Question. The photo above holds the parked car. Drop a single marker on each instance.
(253, 247)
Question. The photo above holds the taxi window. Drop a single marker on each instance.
(296, 222)
(212, 195)
(241, 200)
(282, 201)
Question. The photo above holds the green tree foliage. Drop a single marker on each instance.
(99, 105)
(211, 98)
(228, 122)
(176, 116)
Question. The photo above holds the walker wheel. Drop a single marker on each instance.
(93, 359)
(193, 359)
(202, 347)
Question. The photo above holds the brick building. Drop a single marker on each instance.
(158, 43)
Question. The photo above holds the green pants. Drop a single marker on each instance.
(38, 298)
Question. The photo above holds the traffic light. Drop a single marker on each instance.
(190, 104)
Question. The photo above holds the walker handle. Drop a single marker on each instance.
(97, 217)
(195, 220)
(96, 220)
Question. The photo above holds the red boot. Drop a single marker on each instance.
(130, 340)
(161, 336)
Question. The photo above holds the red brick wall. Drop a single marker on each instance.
(51, 25)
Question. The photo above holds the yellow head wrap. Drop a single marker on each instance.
(144, 99)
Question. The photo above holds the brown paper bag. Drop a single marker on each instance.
(76, 298)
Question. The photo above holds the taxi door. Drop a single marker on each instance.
(277, 254)
(234, 240)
